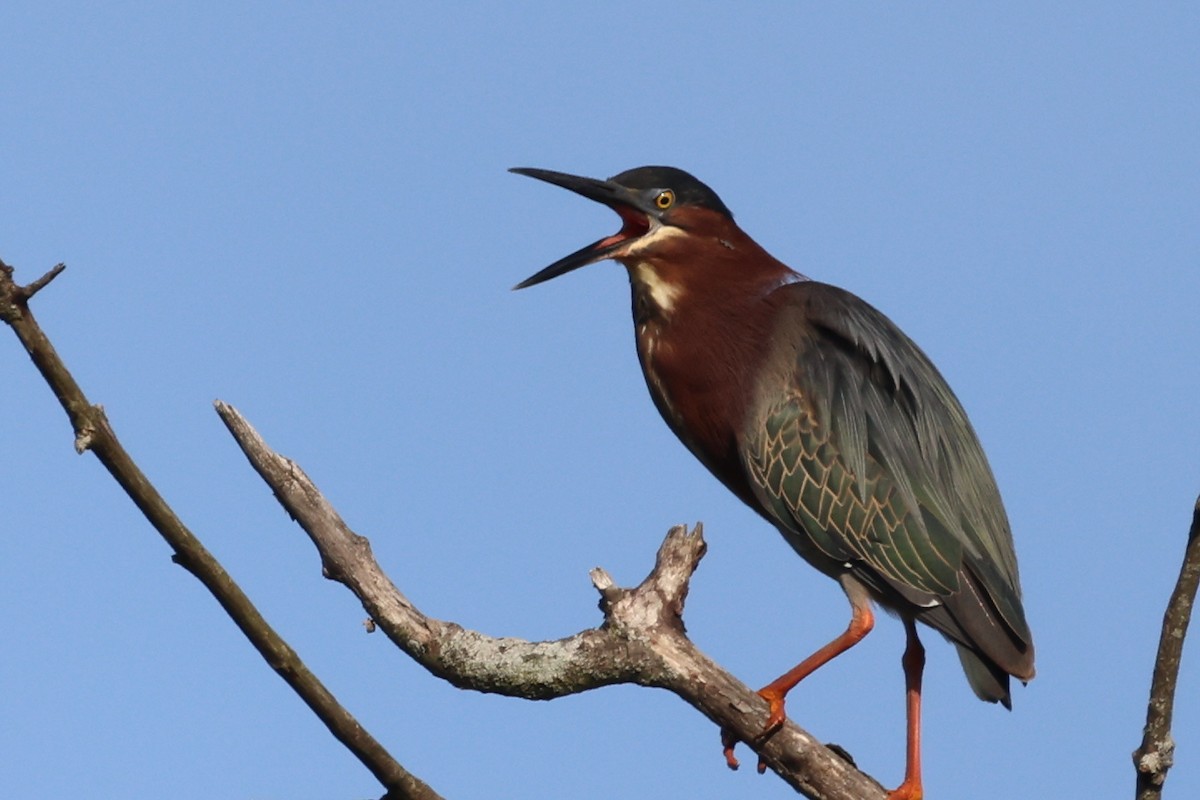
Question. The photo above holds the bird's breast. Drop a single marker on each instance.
(692, 375)
(654, 353)
(654, 305)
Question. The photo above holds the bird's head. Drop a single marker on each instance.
(661, 208)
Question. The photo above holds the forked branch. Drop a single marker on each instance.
(641, 640)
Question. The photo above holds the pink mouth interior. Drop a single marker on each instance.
(635, 225)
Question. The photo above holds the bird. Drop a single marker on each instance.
(820, 414)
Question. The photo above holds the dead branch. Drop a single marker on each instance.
(1157, 751)
(642, 639)
(93, 432)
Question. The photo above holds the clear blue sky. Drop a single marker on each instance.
(303, 209)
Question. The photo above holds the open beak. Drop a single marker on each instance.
(629, 205)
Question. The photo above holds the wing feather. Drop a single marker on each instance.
(868, 460)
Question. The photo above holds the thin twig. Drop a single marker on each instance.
(1157, 752)
(93, 432)
(30, 290)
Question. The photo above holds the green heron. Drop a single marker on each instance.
(824, 417)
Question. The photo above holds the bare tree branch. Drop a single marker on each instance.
(1157, 751)
(93, 432)
(642, 639)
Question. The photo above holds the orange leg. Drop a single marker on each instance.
(861, 623)
(914, 665)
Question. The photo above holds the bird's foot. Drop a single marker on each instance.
(775, 710)
(911, 789)
(729, 741)
(775, 718)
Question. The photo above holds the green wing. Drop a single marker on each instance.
(867, 461)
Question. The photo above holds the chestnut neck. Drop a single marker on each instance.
(704, 325)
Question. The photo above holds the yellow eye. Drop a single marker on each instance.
(665, 199)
